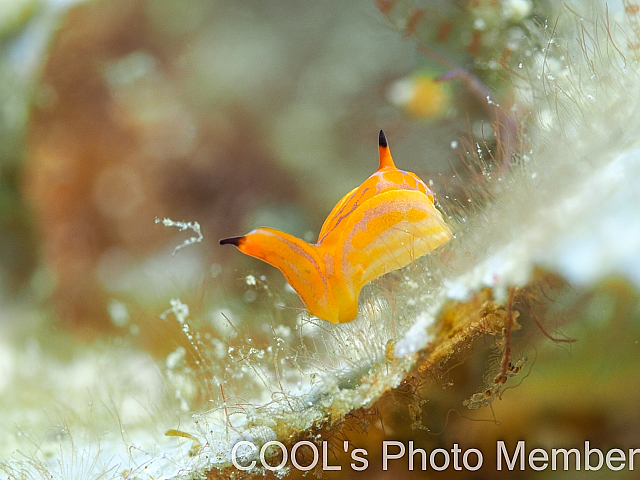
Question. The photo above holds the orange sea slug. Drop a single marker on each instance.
(380, 226)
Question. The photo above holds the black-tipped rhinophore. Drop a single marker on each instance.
(382, 139)
(231, 241)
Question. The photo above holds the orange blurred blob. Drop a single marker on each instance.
(420, 96)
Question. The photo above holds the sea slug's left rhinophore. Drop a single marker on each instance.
(380, 226)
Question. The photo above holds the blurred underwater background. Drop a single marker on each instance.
(132, 349)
